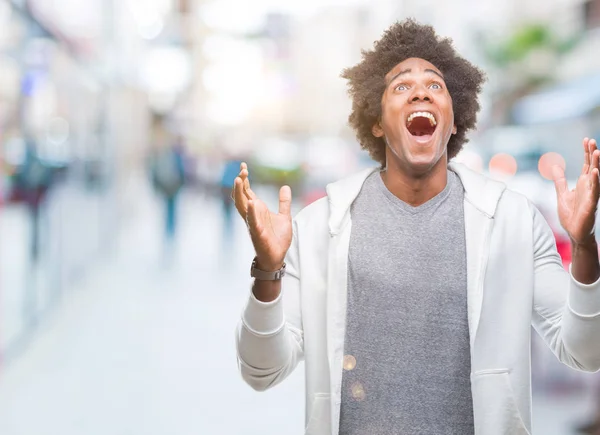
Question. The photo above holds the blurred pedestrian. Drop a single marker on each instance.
(231, 167)
(168, 177)
(410, 290)
(32, 181)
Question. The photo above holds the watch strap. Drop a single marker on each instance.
(266, 276)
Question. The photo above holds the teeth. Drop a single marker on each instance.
(424, 115)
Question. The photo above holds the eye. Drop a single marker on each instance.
(401, 87)
(435, 86)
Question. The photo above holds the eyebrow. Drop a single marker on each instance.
(406, 71)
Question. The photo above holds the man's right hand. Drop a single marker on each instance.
(271, 233)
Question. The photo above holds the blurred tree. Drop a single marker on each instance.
(523, 62)
(526, 40)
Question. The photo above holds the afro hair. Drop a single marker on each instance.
(405, 40)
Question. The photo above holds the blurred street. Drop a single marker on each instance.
(144, 345)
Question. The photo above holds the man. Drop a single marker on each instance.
(167, 168)
(410, 290)
(33, 180)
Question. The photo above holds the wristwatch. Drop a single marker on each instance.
(266, 276)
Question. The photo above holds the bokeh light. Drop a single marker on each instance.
(358, 391)
(349, 362)
(471, 159)
(547, 161)
(503, 164)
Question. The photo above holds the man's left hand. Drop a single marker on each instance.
(577, 207)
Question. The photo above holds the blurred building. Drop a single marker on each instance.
(259, 79)
(80, 81)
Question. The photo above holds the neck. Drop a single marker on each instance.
(415, 189)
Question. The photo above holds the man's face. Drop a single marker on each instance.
(417, 117)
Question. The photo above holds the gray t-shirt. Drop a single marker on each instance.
(407, 355)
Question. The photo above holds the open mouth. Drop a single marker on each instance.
(421, 124)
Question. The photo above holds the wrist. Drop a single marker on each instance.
(266, 291)
(268, 266)
(585, 245)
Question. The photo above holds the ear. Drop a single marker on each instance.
(454, 129)
(377, 130)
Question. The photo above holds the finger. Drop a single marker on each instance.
(254, 224)
(586, 156)
(245, 183)
(285, 200)
(241, 202)
(595, 157)
(247, 190)
(591, 148)
(592, 145)
(595, 183)
(243, 172)
(560, 182)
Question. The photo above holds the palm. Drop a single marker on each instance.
(271, 233)
(274, 232)
(577, 207)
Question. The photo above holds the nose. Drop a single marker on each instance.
(420, 93)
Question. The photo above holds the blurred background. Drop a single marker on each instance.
(123, 266)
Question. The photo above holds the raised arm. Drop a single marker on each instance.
(567, 305)
(269, 336)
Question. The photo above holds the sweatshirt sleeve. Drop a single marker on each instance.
(269, 336)
(566, 312)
